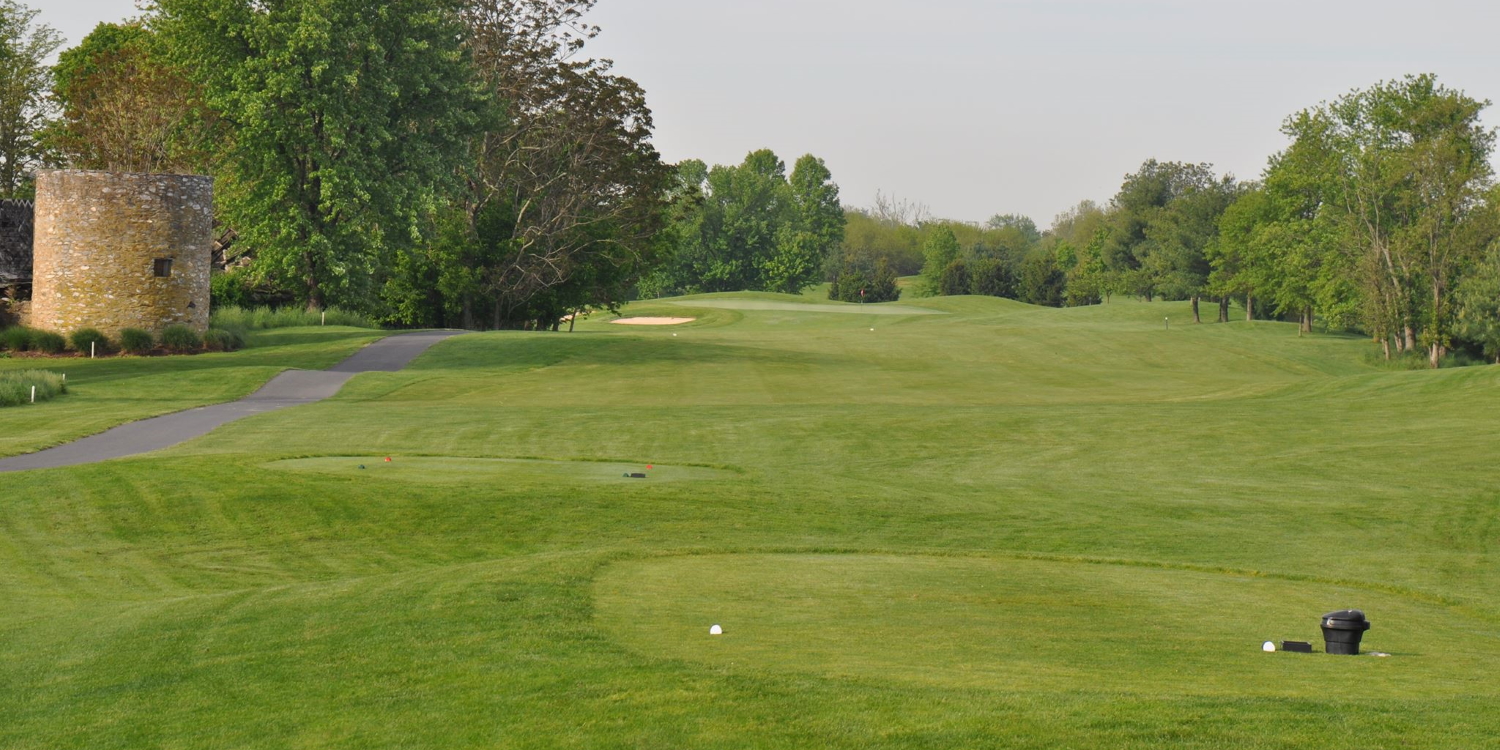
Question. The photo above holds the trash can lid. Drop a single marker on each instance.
(1355, 615)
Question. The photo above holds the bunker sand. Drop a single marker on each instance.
(652, 321)
(845, 309)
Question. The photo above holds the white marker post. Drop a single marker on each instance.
(33, 394)
(324, 319)
(92, 344)
(1168, 321)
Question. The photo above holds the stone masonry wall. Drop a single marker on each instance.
(98, 238)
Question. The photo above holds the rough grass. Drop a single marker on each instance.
(16, 386)
(1000, 527)
(261, 318)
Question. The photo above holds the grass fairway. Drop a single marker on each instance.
(999, 526)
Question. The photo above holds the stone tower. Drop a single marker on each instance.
(115, 250)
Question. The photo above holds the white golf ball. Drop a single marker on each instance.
(716, 630)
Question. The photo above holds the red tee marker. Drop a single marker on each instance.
(649, 466)
(387, 459)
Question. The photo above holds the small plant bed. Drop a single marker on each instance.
(28, 343)
(16, 387)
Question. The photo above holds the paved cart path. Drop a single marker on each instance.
(290, 388)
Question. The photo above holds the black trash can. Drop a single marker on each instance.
(1343, 630)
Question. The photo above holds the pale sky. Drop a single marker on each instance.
(978, 107)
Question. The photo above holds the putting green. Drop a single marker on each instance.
(461, 470)
(1036, 625)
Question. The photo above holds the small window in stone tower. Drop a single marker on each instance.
(163, 267)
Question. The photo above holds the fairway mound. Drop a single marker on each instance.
(652, 321)
(465, 470)
(1030, 625)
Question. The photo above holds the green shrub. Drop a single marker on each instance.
(84, 338)
(261, 318)
(15, 387)
(223, 340)
(180, 338)
(17, 339)
(991, 277)
(877, 286)
(48, 342)
(137, 341)
(229, 289)
(954, 280)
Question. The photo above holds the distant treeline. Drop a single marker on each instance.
(1382, 216)
(459, 163)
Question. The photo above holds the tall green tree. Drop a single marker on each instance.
(1179, 235)
(125, 109)
(1478, 302)
(1414, 166)
(939, 251)
(1143, 228)
(26, 107)
(751, 227)
(1022, 224)
(564, 202)
(815, 232)
(346, 121)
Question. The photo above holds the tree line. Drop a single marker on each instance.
(433, 162)
(1381, 217)
(459, 163)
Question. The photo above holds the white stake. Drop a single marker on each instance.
(33, 394)
(92, 344)
(325, 318)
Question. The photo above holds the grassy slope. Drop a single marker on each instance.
(107, 392)
(976, 462)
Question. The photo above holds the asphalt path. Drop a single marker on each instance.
(290, 388)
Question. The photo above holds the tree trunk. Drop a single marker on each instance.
(1385, 344)
(1249, 308)
(571, 320)
(1307, 321)
(1223, 309)
(1435, 356)
(314, 292)
(1196, 319)
(1410, 342)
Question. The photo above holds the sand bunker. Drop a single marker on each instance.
(652, 321)
(884, 308)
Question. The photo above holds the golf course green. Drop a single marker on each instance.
(958, 522)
